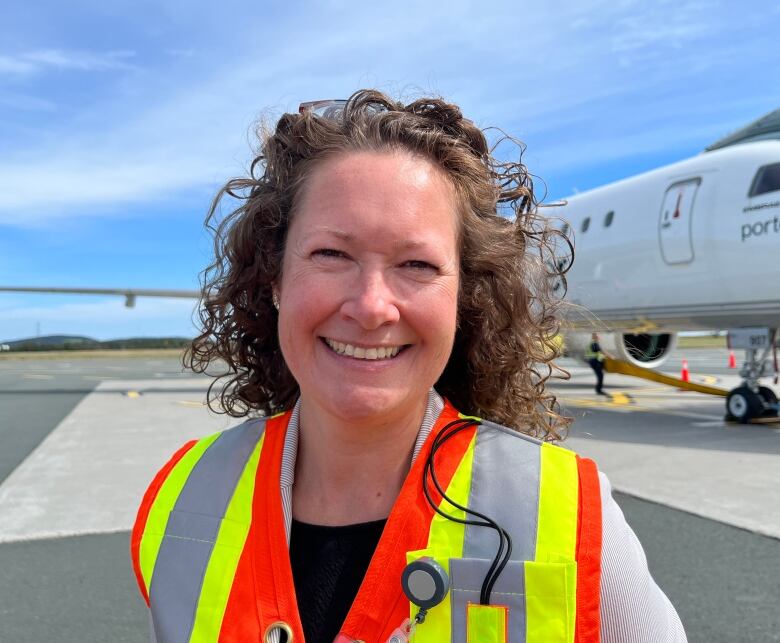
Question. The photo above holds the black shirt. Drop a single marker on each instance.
(328, 565)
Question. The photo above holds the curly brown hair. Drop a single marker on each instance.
(511, 274)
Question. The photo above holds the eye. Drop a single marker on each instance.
(328, 252)
(417, 264)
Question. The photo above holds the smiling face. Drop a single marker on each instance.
(369, 286)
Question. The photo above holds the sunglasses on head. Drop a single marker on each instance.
(333, 108)
(324, 108)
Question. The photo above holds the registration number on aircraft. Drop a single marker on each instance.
(755, 338)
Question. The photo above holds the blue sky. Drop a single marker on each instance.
(119, 120)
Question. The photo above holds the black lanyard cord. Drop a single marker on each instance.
(505, 540)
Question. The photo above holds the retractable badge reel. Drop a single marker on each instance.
(425, 584)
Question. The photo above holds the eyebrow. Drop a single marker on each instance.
(348, 237)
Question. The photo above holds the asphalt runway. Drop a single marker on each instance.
(81, 440)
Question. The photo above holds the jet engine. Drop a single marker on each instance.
(647, 350)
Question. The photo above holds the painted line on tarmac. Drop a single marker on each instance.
(597, 404)
(709, 423)
(621, 408)
(89, 474)
(620, 398)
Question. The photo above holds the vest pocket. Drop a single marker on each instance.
(507, 599)
(551, 601)
(538, 602)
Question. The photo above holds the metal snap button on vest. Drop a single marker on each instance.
(279, 626)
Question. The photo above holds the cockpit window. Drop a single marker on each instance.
(767, 180)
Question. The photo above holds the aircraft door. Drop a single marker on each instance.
(674, 226)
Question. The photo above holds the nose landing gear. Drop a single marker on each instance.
(750, 401)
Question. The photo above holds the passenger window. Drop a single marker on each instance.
(608, 218)
(767, 180)
(585, 224)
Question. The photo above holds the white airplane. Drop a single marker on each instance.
(688, 246)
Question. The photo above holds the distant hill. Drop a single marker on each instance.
(76, 342)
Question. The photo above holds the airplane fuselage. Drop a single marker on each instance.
(682, 247)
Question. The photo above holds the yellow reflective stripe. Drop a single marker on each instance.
(556, 547)
(221, 569)
(556, 538)
(162, 506)
(486, 623)
(445, 541)
(550, 602)
(445, 537)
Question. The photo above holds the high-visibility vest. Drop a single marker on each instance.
(593, 354)
(210, 549)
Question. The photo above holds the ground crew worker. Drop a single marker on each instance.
(368, 301)
(595, 358)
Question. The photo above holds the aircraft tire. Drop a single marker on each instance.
(770, 400)
(743, 405)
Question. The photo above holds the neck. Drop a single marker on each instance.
(350, 472)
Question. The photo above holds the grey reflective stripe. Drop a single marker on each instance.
(503, 457)
(467, 575)
(192, 528)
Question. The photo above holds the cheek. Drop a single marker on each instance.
(438, 314)
(302, 310)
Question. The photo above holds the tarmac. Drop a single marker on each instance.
(83, 438)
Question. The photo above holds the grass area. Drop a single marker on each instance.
(63, 355)
(702, 341)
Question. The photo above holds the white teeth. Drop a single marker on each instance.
(380, 352)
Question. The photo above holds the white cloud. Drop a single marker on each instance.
(11, 65)
(95, 184)
(181, 53)
(42, 59)
(591, 150)
(26, 103)
(506, 66)
(195, 135)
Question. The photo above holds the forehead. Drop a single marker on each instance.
(409, 189)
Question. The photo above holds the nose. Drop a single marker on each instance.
(372, 302)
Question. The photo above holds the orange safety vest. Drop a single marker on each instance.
(210, 552)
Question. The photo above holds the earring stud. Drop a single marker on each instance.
(275, 299)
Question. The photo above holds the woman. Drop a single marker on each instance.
(365, 295)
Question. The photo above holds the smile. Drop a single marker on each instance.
(362, 352)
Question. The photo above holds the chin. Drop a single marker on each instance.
(365, 403)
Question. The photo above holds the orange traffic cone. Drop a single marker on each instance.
(685, 374)
(732, 360)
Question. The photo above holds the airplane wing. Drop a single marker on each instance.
(129, 294)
